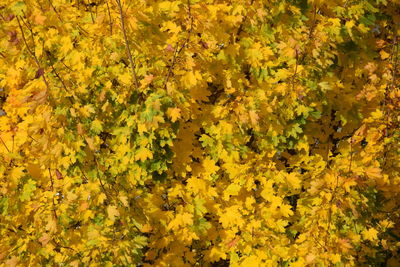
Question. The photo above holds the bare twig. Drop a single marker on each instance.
(128, 49)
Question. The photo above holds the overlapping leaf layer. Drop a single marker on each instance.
(210, 133)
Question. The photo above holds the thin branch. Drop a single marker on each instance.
(333, 197)
(295, 69)
(310, 35)
(61, 80)
(351, 154)
(101, 182)
(1, 139)
(32, 53)
(63, 84)
(394, 61)
(240, 29)
(91, 13)
(61, 246)
(179, 50)
(33, 138)
(27, 24)
(128, 49)
(55, 10)
(52, 190)
(109, 17)
(62, 62)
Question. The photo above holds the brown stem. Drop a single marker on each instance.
(91, 14)
(27, 24)
(52, 190)
(63, 84)
(5, 145)
(109, 17)
(128, 49)
(61, 80)
(55, 10)
(351, 154)
(295, 69)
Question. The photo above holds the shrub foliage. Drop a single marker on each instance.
(176, 133)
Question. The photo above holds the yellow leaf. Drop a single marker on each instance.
(286, 210)
(100, 199)
(253, 117)
(209, 166)
(231, 216)
(174, 113)
(16, 173)
(370, 234)
(12, 262)
(196, 185)
(125, 78)
(231, 190)
(335, 258)
(373, 172)
(143, 154)
(215, 253)
(293, 180)
(124, 200)
(348, 183)
(180, 220)
(66, 45)
(112, 212)
(146, 228)
(189, 79)
(250, 261)
(384, 55)
(39, 18)
(169, 6)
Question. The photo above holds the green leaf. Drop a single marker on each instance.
(96, 126)
(27, 190)
(19, 8)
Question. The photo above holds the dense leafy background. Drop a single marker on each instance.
(176, 133)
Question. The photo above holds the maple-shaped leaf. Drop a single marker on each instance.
(174, 114)
(143, 154)
(112, 212)
(371, 234)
